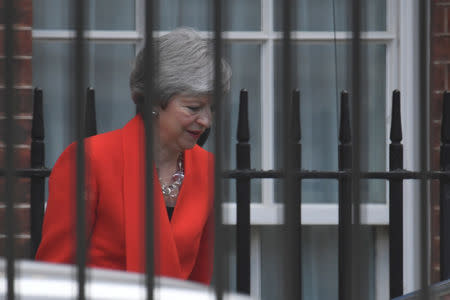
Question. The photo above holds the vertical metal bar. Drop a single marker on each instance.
(79, 124)
(296, 148)
(91, 119)
(424, 144)
(445, 189)
(345, 201)
(243, 198)
(219, 254)
(9, 134)
(150, 59)
(356, 176)
(292, 280)
(37, 190)
(396, 202)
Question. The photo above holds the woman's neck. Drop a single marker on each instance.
(166, 161)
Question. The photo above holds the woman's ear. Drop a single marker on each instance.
(155, 111)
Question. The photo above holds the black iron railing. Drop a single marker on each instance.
(395, 176)
(244, 174)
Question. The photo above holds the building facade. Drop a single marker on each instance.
(44, 35)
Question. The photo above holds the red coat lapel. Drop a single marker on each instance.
(192, 209)
(166, 257)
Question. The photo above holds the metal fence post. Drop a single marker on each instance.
(37, 190)
(356, 79)
(79, 13)
(219, 253)
(291, 263)
(8, 11)
(423, 19)
(295, 137)
(445, 189)
(91, 119)
(396, 202)
(151, 63)
(243, 198)
(345, 201)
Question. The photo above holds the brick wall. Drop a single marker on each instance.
(439, 82)
(22, 120)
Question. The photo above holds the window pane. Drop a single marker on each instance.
(102, 14)
(315, 76)
(238, 14)
(317, 15)
(244, 59)
(319, 262)
(109, 68)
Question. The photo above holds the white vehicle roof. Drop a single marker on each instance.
(37, 280)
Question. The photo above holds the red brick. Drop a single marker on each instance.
(435, 159)
(22, 42)
(22, 188)
(438, 76)
(21, 157)
(448, 74)
(436, 107)
(22, 131)
(434, 189)
(448, 20)
(22, 71)
(435, 215)
(434, 186)
(23, 13)
(438, 19)
(23, 102)
(435, 136)
(21, 220)
(440, 48)
(436, 243)
(21, 246)
(435, 223)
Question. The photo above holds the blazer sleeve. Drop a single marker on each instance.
(58, 242)
(203, 268)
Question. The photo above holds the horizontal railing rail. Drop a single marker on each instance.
(311, 174)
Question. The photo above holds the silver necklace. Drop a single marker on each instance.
(170, 191)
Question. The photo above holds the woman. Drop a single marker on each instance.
(115, 168)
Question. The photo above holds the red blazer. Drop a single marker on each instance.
(115, 166)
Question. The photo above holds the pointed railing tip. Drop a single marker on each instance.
(296, 132)
(396, 134)
(91, 118)
(344, 126)
(243, 130)
(37, 127)
(445, 127)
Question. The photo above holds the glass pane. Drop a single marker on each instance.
(317, 15)
(315, 76)
(238, 14)
(102, 14)
(244, 59)
(109, 69)
(319, 262)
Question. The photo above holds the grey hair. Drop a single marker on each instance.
(185, 66)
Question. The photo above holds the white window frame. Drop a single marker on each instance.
(401, 72)
(266, 212)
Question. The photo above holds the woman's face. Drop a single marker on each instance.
(182, 122)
